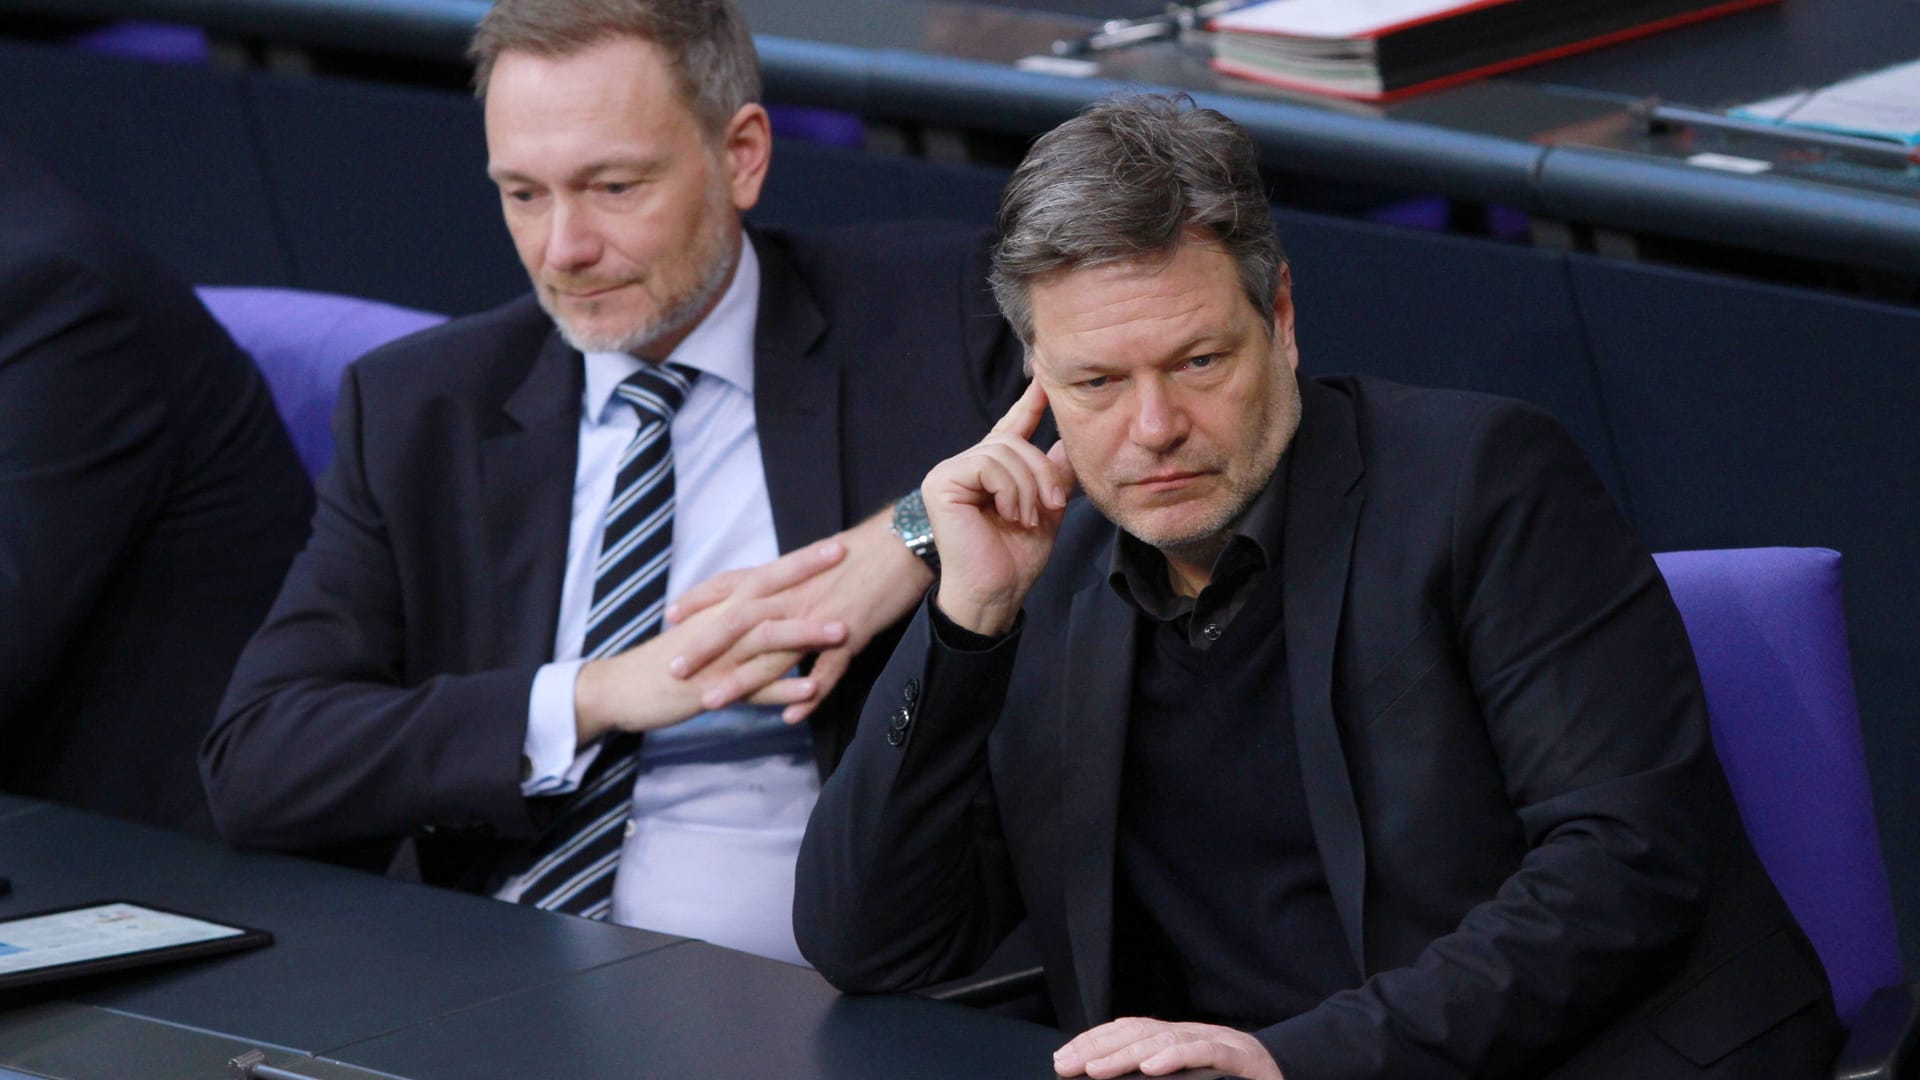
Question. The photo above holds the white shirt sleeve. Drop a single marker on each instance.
(555, 762)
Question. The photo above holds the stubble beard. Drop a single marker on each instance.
(1201, 542)
(716, 248)
(1194, 542)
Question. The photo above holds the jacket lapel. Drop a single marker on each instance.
(796, 403)
(526, 485)
(1323, 510)
(1093, 740)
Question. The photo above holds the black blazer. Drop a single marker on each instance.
(387, 693)
(1529, 842)
(150, 502)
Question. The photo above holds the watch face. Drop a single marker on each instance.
(911, 526)
(910, 518)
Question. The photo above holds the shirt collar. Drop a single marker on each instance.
(721, 345)
(1138, 572)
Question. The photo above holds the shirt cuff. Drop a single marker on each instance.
(553, 762)
(960, 639)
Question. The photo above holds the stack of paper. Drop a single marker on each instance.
(1377, 50)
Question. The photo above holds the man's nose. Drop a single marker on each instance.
(572, 241)
(1159, 421)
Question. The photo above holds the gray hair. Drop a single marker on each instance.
(706, 42)
(1131, 178)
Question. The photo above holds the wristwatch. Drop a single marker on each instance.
(911, 526)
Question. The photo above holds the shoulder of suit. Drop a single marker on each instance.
(62, 266)
(43, 220)
(880, 249)
(1422, 419)
(53, 249)
(471, 346)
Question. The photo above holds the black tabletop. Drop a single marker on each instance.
(354, 953)
(698, 1010)
(371, 974)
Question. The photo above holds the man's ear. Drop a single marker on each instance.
(1283, 317)
(746, 148)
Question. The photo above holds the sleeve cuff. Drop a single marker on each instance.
(552, 761)
(952, 635)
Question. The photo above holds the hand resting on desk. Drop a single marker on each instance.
(1159, 1047)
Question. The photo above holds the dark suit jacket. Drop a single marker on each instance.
(149, 504)
(1504, 752)
(387, 692)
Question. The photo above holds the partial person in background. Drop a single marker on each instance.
(472, 643)
(150, 502)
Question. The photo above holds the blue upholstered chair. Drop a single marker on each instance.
(301, 342)
(1768, 632)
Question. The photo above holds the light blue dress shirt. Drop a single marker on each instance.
(721, 800)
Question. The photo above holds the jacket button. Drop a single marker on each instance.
(1211, 631)
(901, 718)
(911, 693)
(895, 736)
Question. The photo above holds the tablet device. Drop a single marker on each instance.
(88, 939)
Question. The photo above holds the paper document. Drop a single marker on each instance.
(1337, 18)
(1883, 104)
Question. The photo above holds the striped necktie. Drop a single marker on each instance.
(575, 857)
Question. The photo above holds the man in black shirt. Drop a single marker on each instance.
(1344, 730)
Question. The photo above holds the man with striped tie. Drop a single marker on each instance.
(484, 623)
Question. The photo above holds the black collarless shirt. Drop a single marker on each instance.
(1222, 912)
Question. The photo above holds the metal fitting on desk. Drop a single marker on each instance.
(1178, 21)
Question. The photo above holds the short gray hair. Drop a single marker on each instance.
(1130, 178)
(706, 42)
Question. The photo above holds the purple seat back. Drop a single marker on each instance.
(166, 43)
(301, 342)
(1767, 629)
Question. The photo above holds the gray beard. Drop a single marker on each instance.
(680, 316)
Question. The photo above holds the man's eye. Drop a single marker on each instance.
(1095, 383)
(1205, 361)
(520, 196)
(618, 187)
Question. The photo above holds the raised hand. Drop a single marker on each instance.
(995, 509)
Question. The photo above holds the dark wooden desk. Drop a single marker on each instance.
(406, 980)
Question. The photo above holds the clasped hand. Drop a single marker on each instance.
(735, 636)
(745, 647)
